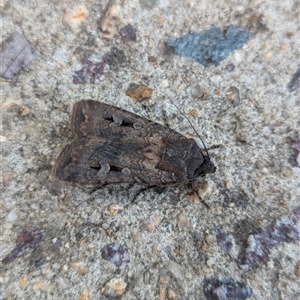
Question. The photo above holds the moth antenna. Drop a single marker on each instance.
(190, 124)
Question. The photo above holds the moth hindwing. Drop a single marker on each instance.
(113, 146)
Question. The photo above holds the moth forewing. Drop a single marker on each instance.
(113, 145)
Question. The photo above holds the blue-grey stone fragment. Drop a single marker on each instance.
(209, 46)
(295, 81)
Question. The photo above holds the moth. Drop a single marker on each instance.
(114, 146)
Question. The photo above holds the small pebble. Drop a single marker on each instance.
(230, 68)
(38, 285)
(151, 223)
(264, 170)
(24, 110)
(83, 241)
(182, 251)
(211, 261)
(114, 288)
(12, 216)
(155, 248)
(171, 294)
(282, 46)
(194, 113)
(139, 92)
(164, 83)
(152, 59)
(75, 16)
(79, 266)
(233, 94)
(110, 19)
(217, 91)
(228, 183)
(85, 294)
(114, 209)
(201, 92)
(39, 263)
(56, 266)
(193, 198)
(209, 239)
(162, 293)
(128, 33)
(245, 137)
(268, 55)
(164, 279)
(216, 79)
(175, 269)
(91, 246)
(22, 281)
(287, 172)
(183, 220)
(109, 231)
(224, 239)
(114, 253)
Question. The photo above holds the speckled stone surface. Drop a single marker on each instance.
(250, 141)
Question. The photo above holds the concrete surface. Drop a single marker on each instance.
(254, 183)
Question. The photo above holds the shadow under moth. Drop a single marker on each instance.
(114, 146)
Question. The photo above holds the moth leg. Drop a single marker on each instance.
(97, 188)
(214, 147)
(157, 189)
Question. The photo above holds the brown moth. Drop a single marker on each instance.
(113, 146)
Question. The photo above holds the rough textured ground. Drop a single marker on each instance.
(254, 184)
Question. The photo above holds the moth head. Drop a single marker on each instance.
(207, 167)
